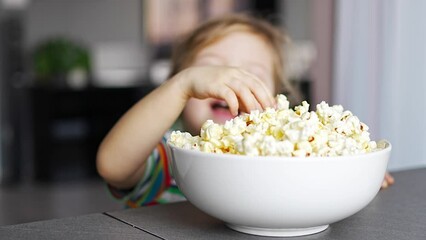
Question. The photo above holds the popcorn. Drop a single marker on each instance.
(185, 140)
(328, 131)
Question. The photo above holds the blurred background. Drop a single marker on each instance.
(70, 68)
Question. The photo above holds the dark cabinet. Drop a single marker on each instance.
(68, 126)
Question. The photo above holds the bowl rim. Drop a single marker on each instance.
(385, 150)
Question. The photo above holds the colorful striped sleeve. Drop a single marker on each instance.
(156, 186)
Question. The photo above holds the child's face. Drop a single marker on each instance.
(239, 49)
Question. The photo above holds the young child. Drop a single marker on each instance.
(225, 66)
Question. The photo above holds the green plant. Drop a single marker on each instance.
(57, 57)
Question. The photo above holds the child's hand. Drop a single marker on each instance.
(389, 180)
(240, 89)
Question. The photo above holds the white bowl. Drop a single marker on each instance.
(279, 196)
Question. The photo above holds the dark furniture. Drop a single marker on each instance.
(68, 126)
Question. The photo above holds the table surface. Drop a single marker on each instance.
(396, 213)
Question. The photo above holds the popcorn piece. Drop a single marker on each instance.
(328, 131)
(282, 102)
(184, 140)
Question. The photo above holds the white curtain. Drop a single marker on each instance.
(380, 72)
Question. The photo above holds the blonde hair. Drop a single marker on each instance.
(211, 31)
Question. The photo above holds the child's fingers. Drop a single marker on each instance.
(231, 99)
(263, 97)
(245, 109)
(258, 106)
(389, 179)
(260, 90)
(247, 99)
(384, 184)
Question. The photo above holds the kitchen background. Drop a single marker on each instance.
(70, 68)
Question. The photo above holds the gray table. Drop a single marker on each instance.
(396, 213)
(93, 226)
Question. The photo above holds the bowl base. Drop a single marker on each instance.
(278, 232)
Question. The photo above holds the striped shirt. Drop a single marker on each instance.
(157, 185)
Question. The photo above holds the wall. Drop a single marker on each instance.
(297, 18)
(311, 22)
(380, 72)
(111, 29)
(92, 20)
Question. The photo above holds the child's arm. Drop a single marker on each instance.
(122, 154)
